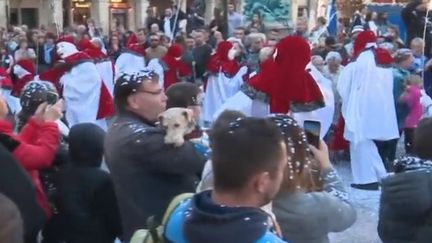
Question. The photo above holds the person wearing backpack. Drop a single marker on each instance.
(248, 157)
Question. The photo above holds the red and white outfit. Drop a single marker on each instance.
(104, 65)
(85, 95)
(25, 71)
(170, 68)
(366, 89)
(271, 90)
(6, 88)
(226, 76)
(131, 59)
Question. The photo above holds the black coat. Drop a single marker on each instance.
(16, 185)
(406, 207)
(146, 172)
(87, 208)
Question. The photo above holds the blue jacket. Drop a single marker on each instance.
(201, 220)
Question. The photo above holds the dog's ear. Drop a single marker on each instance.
(188, 114)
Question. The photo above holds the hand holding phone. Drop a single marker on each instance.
(313, 131)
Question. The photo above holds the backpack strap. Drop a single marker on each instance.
(174, 204)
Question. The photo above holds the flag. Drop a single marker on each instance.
(332, 19)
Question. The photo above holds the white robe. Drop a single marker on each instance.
(219, 89)
(106, 71)
(81, 92)
(323, 115)
(368, 108)
(156, 66)
(244, 104)
(128, 62)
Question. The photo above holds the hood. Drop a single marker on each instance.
(86, 145)
(212, 223)
(363, 41)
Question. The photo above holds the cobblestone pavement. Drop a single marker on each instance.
(364, 229)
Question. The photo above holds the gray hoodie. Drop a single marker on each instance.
(309, 217)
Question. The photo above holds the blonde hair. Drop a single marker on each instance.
(417, 41)
(414, 79)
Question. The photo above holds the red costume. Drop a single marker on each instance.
(175, 69)
(293, 87)
(24, 70)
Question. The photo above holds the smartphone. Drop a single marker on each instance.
(52, 98)
(313, 131)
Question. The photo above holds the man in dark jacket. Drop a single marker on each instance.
(16, 185)
(147, 173)
(414, 17)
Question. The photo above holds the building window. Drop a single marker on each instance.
(29, 17)
(13, 16)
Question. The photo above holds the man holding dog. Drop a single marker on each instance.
(147, 173)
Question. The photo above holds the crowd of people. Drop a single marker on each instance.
(83, 149)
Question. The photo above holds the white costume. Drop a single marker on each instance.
(81, 86)
(129, 62)
(323, 115)
(366, 91)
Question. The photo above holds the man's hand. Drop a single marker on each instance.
(54, 112)
(40, 112)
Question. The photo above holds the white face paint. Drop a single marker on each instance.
(20, 71)
(177, 58)
(275, 54)
(65, 49)
(232, 53)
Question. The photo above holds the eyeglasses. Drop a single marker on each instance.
(160, 91)
(154, 40)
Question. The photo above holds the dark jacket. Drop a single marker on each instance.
(146, 172)
(201, 220)
(415, 21)
(406, 204)
(17, 185)
(86, 203)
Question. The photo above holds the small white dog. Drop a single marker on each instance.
(177, 122)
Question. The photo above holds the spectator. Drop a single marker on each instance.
(85, 194)
(218, 38)
(318, 62)
(394, 36)
(6, 59)
(411, 97)
(239, 33)
(256, 41)
(248, 158)
(24, 52)
(92, 30)
(46, 53)
(414, 16)
(405, 200)
(152, 19)
(371, 22)
(187, 95)
(155, 50)
(170, 24)
(235, 19)
(138, 158)
(115, 47)
(201, 54)
(217, 23)
(40, 136)
(16, 185)
(11, 224)
(417, 48)
(154, 28)
(224, 119)
(302, 28)
(319, 31)
(306, 207)
(256, 24)
(383, 24)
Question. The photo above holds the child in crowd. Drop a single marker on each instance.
(411, 98)
(417, 45)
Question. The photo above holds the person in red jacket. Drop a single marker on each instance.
(38, 140)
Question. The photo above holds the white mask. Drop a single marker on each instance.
(177, 58)
(232, 53)
(66, 49)
(20, 71)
